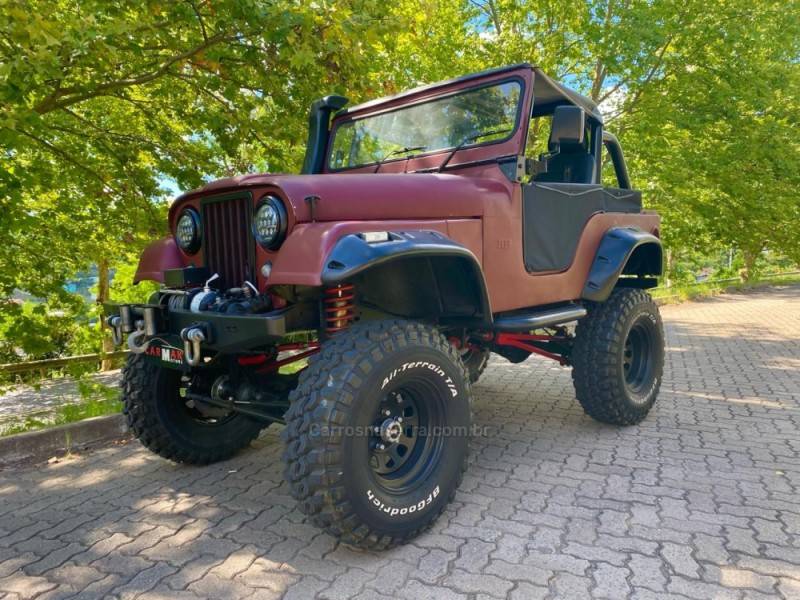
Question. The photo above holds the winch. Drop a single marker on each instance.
(238, 300)
(142, 323)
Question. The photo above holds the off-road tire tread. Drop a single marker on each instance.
(313, 464)
(597, 338)
(139, 398)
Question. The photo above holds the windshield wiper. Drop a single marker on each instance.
(395, 153)
(468, 140)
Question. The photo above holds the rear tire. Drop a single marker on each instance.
(347, 406)
(618, 358)
(160, 419)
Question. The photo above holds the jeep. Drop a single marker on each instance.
(357, 302)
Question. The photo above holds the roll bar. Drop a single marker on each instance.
(615, 151)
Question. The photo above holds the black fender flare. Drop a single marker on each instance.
(353, 254)
(610, 261)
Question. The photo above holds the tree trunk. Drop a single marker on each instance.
(599, 68)
(669, 266)
(102, 296)
(747, 273)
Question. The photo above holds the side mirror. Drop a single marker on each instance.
(569, 127)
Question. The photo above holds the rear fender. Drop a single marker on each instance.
(623, 251)
(415, 274)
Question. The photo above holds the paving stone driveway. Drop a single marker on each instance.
(697, 502)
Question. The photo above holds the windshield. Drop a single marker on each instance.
(432, 126)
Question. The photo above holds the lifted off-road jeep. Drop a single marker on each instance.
(422, 236)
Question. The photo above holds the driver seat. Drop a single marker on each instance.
(573, 164)
(570, 160)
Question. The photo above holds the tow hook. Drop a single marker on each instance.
(192, 338)
(137, 340)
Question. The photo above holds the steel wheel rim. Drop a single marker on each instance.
(638, 364)
(406, 459)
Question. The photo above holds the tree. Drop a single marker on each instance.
(703, 94)
(106, 107)
(104, 103)
(717, 136)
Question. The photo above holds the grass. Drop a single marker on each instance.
(682, 293)
(68, 413)
(97, 400)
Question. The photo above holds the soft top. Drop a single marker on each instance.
(547, 92)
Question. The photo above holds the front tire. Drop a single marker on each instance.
(618, 358)
(163, 422)
(377, 432)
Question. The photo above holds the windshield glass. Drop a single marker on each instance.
(428, 127)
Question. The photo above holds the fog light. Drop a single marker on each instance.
(266, 269)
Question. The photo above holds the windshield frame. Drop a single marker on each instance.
(426, 100)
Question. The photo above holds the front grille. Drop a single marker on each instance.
(227, 240)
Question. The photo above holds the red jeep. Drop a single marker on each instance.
(422, 236)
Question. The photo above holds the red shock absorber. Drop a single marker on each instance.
(338, 307)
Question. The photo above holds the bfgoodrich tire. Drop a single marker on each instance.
(378, 431)
(618, 358)
(163, 422)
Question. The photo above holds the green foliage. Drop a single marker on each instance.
(101, 102)
(682, 293)
(715, 139)
(704, 95)
(107, 105)
(45, 330)
(122, 288)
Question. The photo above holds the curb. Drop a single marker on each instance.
(35, 446)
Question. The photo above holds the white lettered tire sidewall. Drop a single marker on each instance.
(329, 463)
(381, 509)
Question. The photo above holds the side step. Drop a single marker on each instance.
(527, 321)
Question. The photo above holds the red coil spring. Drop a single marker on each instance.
(338, 307)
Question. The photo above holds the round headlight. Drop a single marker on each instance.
(269, 223)
(187, 231)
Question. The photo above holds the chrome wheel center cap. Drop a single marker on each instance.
(391, 430)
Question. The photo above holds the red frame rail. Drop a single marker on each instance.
(521, 341)
(266, 365)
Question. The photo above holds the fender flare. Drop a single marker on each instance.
(352, 255)
(157, 257)
(615, 249)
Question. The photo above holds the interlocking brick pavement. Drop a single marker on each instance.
(699, 501)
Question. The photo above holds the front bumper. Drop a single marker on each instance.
(171, 334)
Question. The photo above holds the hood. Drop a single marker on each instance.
(361, 197)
